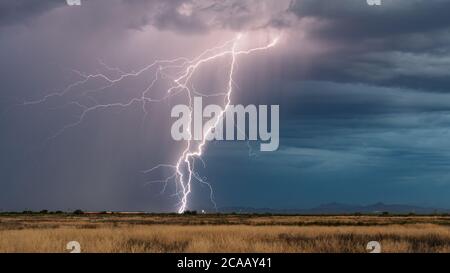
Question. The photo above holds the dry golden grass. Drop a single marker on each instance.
(211, 233)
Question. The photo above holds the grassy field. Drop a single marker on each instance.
(223, 233)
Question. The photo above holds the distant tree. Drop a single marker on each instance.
(44, 211)
(385, 213)
(78, 211)
(190, 212)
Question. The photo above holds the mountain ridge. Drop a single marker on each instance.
(343, 208)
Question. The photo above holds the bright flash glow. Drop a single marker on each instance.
(183, 170)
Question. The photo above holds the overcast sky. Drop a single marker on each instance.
(363, 95)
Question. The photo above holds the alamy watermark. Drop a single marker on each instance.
(74, 247)
(369, 2)
(374, 2)
(241, 123)
(374, 247)
(73, 2)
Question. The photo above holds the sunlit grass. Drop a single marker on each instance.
(223, 233)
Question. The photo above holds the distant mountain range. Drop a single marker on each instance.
(339, 208)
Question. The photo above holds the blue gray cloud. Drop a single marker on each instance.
(363, 93)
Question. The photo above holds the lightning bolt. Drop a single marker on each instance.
(183, 170)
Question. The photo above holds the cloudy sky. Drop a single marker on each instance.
(363, 95)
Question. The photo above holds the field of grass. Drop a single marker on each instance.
(223, 233)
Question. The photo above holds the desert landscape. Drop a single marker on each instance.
(239, 233)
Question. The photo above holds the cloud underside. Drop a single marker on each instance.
(363, 92)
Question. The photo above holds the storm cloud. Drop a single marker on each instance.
(363, 93)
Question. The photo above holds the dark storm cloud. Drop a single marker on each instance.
(170, 15)
(356, 19)
(204, 15)
(20, 11)
(401, 43)
(181, 16)
(360, 120)
(338, 99)
(201, 16)
(352, 141)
